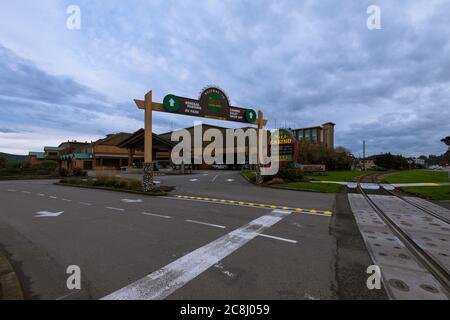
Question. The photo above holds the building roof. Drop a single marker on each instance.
(73, 143)
(79, 156)
(203, 124)
(53, 149)
(136, 140)
(38, 155)
(113, 139)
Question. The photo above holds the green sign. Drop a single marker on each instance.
(171, 103)
(212, 103)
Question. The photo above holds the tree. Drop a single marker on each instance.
(446, 140)
(2, 162)
(391, 162)
(312, 153)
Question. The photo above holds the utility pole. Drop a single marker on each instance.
(364, 155)
(446, 140)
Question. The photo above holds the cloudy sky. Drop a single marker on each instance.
(302, 62)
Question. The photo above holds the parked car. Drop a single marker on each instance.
(219, 166)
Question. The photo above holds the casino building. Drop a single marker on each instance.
(126, 150)
(320, 134)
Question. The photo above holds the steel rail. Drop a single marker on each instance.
(434, 267)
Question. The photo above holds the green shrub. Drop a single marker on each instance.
(133, 184)
(106, 181)
(63, 172)
(289, 174)
(78, 172)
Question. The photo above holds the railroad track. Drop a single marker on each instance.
(374, 178)
(429, 261)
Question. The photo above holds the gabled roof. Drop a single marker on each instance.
(203, 124)
(113, 139)
(136, 140)
(38, 155)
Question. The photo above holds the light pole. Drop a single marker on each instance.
(446, 140)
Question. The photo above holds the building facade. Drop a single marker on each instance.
(320, 134)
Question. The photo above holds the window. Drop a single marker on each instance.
(300, 135)
(307, 134)
(314, 135)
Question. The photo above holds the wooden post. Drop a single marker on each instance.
(260, 121)
(148, 145)
(130, 157)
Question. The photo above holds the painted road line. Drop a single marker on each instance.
(206, 224)
(277, 238)
(193, 180)
(66, 200)
(26, 192)
(116, 209)
(85, 203)
(132, 200)
(161, 283)
(11, 190)
(41, 194)
(156, 215)
(47, 214)
(251, 205)
(53, 197)
(214, 179)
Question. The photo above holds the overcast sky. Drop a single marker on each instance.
(303, 63)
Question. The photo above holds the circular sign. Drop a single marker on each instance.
(214, 100)
(171, 103)
(250, 115)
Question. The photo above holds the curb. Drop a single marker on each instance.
(159, 194)
(280, 188)
(10, 288)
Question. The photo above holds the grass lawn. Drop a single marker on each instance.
(339, 175)
(248, 174)
(433, 193)
(307, 186)
(413, 176)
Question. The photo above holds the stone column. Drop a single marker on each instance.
(147, 182)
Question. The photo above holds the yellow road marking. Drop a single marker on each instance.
(260, 205)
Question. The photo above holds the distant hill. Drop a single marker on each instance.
(10, 157)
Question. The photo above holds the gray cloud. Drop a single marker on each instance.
(303, 63)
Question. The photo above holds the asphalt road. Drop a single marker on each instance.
(199, 250)
(231, 185)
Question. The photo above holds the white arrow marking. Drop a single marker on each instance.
(131, 200)
(45, 214)
(172, 102)
(193, 180)
(230, 180)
